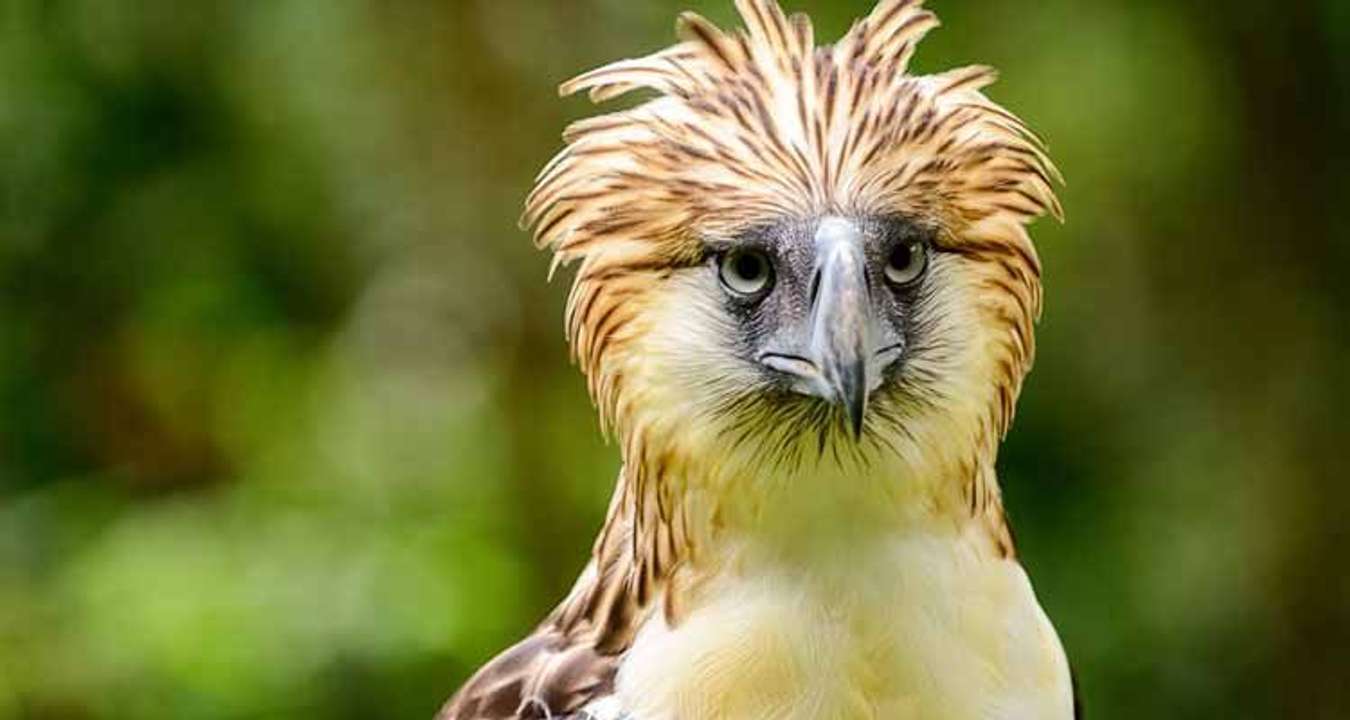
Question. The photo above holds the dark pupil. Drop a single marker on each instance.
(902, 256)
(748, 267)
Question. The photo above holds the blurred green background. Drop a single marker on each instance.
(287, 427)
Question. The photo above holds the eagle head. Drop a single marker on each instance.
(793, 255)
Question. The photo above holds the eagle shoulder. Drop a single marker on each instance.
(565, 670)
(542, 676)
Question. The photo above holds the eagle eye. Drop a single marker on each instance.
(906, 263)
(747, 273)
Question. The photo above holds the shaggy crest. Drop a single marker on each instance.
(758, 124)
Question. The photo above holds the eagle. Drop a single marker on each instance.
(804, 303)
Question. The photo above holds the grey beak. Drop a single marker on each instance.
(841, 321)
(830, 356)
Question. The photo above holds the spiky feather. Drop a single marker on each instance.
(747, 127)
(758, 124)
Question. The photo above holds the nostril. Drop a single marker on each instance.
(892, 349)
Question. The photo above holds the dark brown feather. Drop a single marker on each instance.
(571, 658)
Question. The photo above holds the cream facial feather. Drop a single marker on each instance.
(804, 304)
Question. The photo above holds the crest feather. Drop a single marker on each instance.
(754, 125)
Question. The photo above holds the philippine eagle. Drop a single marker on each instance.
(804, 304)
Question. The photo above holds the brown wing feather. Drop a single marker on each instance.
(571, 659)
(543, 676)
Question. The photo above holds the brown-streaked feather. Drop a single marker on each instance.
(571, 658)
(757, 124)
(748, 126)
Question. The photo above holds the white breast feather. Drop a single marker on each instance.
(920, 627)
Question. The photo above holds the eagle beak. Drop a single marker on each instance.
(841, 320)
(830, 354)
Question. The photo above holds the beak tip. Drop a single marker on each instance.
(855, 398)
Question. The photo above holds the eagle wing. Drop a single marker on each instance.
(568, 664)
(543, 676)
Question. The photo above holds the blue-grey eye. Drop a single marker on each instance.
(906, 263)
(746, 272)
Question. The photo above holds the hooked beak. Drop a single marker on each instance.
(834, 362)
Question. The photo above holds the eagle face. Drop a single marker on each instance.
(810, 344)
(821, 311)
(826, 329)
(797, 254)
